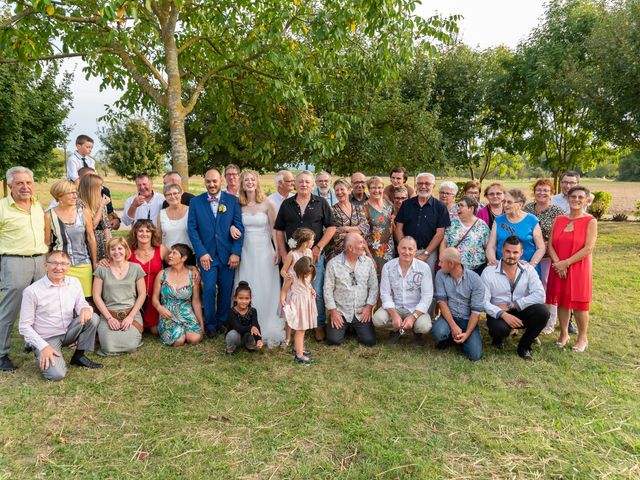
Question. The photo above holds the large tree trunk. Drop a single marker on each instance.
(175, 107)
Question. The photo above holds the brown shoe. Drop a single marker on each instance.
(319, 334)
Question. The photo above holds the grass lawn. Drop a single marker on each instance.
(359, 413)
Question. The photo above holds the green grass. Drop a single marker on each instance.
(359, 413)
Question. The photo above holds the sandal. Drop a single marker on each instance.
(304, 360)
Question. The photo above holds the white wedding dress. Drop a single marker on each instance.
(257, 268)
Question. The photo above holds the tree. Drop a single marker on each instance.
(167, 54)
(131, 149)
(33, 108)
(545, 83)
(465, 95)
(612, 86)
(629, 167)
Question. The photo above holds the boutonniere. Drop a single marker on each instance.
(222, 208)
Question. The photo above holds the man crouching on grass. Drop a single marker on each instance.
(55, 314)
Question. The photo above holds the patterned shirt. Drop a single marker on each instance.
(348, 290)
(472, 246)
(546, 217)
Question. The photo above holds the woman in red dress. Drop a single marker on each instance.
(148, 252)
(569, 286)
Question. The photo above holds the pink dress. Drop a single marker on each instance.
(303, 314)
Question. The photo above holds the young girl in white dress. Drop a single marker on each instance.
(298, 300)
(300, 244)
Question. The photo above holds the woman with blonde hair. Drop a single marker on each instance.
(379, 213)
(119, 292)
(259, 259)
(68, 227)
(92, 198)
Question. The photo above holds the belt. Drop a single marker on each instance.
(21, 256)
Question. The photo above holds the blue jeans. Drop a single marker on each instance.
(318, 286)
(472, 348)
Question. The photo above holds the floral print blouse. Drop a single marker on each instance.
(380, 238)
(356, 219)
(472, 246)
(546, 217)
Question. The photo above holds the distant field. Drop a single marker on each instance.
(625, 194)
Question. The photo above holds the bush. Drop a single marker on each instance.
(638, 209)
(620, 217)
(601, 203)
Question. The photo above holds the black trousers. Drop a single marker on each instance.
(534, 318)
(364, 331)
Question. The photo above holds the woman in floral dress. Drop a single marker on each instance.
(176, 297)
(379, 213)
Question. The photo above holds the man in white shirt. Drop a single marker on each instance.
(323, 188)
(81, 157)
(406, 291)
(55, 314)
(569, 179)
(144, 206)
(284, 185)
(350, 292)
(514, 298)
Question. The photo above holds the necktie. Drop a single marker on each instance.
(213, 200)
(84, 163)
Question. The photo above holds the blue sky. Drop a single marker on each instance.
(486, 23)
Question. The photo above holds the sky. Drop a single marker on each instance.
(486, 23)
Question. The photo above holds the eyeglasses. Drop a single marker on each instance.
(565, 182)
(461, 205)
(446, 193)
(231, 174)
(400, 199)
(577, 197)
(354, 280)
(59, 264)
(495, 194)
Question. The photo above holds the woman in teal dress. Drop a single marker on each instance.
(177, 298)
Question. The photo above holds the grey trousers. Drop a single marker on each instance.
(382, 319)
(85, 335)
(235, 340)
(16, 274)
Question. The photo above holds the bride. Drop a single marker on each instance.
(259, 261)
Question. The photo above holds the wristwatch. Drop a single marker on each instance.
(427, 253)
(415, 315)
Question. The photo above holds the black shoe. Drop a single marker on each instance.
(419, 340)
(525, 354)
(28, 348)
(6, 365)
(572, 328)
(84, 361)
(499, 344)
(220, 330)
(211, 333)
(443, 344)
(394, 338)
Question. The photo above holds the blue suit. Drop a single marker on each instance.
(209, 233)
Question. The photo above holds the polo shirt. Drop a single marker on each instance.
(21, 233)
(317, 216)
(421, 223)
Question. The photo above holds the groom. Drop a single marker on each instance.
(211, 215)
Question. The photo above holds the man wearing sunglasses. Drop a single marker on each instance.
(350, 292)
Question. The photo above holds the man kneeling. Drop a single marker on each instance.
(350, 292)
(55, 314)
(514, 298)
(406, 292)
(460, 296)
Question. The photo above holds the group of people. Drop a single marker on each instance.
(333, 257)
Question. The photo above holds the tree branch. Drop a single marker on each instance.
(139, 77)
(197, 92)
(55, 57)
(151, 67)
(8, 22)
